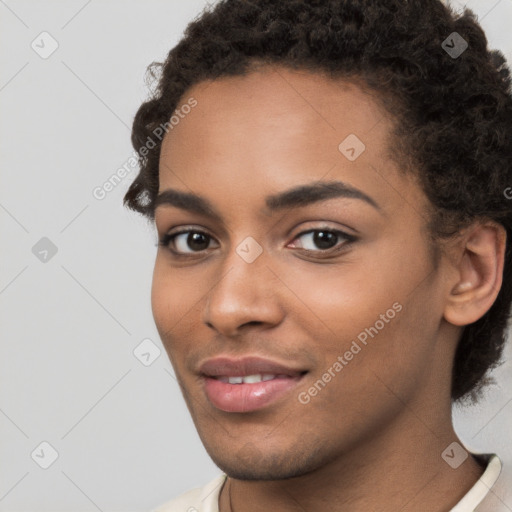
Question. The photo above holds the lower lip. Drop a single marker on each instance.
(247, 397)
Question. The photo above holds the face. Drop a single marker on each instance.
(335, 284)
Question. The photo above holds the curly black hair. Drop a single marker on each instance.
(453, 112)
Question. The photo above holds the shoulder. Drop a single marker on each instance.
(199, 499)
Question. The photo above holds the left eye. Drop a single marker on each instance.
(323, 239)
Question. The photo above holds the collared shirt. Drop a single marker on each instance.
(491, 493)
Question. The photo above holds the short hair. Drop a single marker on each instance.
(453, 112)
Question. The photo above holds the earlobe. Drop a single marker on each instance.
(479, 274)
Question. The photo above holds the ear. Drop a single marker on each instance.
(478, 273)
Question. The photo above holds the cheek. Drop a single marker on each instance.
(336, 302)
(376, 313)
(172, 298)
(388, 355)
(162, 299)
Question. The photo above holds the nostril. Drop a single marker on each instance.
(253, 322)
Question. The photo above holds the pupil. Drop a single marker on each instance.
(197, 241)
(323, 239)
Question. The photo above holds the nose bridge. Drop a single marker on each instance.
(242, 271)
(241, 293)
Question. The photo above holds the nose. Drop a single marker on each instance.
(243, 295)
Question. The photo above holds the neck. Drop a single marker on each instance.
(400, 469)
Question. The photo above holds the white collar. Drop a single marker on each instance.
(480, 490)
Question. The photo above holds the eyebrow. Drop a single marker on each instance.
(297, 197)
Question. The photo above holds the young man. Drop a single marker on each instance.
(328, 181)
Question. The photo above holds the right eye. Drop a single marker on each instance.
(186, 241)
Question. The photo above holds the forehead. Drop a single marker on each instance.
(275, 128)
(266, 100)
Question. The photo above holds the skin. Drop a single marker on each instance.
(372, 438)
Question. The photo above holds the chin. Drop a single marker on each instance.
(249, 463)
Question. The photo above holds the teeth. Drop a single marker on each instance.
(250, 379)
(247, 379)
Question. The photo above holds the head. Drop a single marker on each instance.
(340, 182)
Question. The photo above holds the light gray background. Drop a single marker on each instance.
(69, 377)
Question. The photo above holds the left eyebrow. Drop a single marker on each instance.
(304, 195)
(296, 197)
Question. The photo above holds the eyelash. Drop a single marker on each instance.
(167, 238)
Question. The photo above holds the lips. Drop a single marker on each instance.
(225, 366)
(247, 384)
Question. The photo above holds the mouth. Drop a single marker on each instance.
(248, 384)
(251, 379)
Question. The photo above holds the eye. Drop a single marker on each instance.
(324, 239)
(320, 240)
(186, 241)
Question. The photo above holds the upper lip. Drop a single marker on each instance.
(227, 366)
